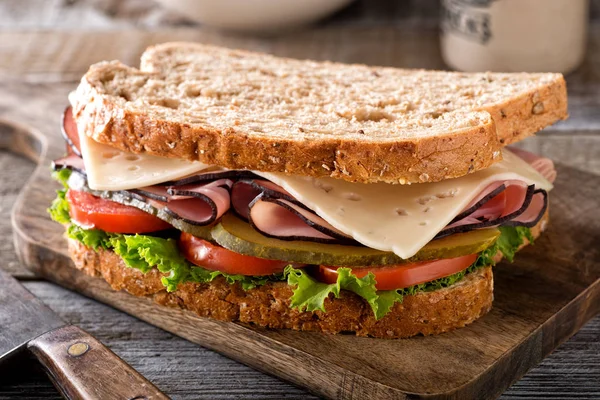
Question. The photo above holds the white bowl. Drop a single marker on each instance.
(255, 15)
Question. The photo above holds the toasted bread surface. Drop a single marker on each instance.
(424, 313)
(246, 110)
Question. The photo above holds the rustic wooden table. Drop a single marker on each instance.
(46, 45)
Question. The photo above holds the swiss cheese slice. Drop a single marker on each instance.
(399, 218)
(108, 168)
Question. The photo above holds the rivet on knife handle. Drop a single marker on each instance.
(83, 368)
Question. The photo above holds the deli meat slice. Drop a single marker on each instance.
(507, 203)
(275, 213)
(273, 219)
(69, 132)
(72, 162)
(502, 206)
(203, 198)
(543, 165)
(216, 193)
(534, 213)
(195, 203)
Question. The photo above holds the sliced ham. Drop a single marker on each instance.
(292, 221)
(499, 200)
(196, 203)
(276, 213)
(211, 175)
(505, 212)
(203, 198)
(242, 194)
(543, 165)
(71, 161)
(535, 211)
(506, 202)
(271, 219)
(69, 132)
(215, 192)
(195, 211)
(156, 192)
(246, 190)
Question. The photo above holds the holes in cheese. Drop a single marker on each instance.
(425, 208)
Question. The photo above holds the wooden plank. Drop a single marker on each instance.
(542, 300)
(182, 369)
(13, 169)
(187, 371)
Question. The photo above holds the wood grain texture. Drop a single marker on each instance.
(15, 171)
(180, 368)
(533, 313)
(385, 32)
(187, 371)
(83, 368)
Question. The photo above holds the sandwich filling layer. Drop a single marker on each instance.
(195, 222)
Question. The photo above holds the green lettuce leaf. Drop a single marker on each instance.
(144, 252)
(93, 238)
(310, 295)
(509, 241)
(202, 275)
(59, 209)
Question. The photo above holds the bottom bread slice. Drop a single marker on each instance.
(424, 313)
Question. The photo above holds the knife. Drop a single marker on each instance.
(79, 365)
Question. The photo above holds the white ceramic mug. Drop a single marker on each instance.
(514, 35)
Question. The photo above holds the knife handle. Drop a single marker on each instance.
(83, 368)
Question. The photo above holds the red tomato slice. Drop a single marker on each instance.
(109, 216)
(217, 258)
(69, 132)
(401, 276)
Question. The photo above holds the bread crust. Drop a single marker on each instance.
(531, 112)
(429, 158)
(425, 313)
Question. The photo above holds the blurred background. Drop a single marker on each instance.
(476, 34)
(45, 41)
(46, 46)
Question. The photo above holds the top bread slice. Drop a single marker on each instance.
(245, 110)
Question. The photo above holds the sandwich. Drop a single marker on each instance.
(296, 194)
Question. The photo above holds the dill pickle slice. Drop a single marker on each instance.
(236, 235)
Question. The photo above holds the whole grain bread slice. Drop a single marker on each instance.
(247, 110)
(424, 313)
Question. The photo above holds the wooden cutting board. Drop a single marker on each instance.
(541, 300)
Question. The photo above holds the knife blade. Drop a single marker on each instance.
(23, 317)
(79, 365)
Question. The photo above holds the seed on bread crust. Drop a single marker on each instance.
(411, 121)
